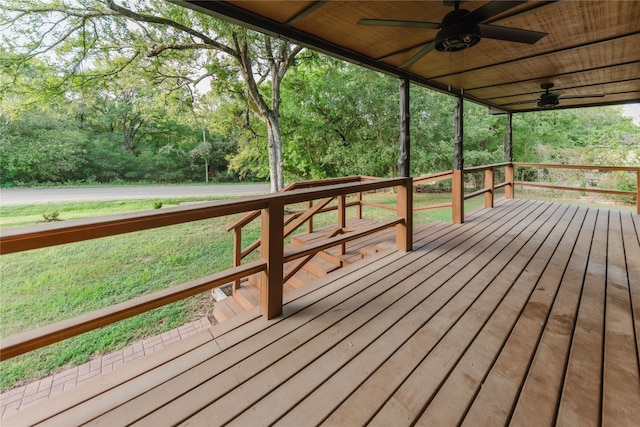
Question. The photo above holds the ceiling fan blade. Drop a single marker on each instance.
(428, 48)
(517, 35)
(599, 95)
(492, 9)
(394, 23)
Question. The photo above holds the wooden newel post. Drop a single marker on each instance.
(404, 203)
(272, 251)
(489, 183)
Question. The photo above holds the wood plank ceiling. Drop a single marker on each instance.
(591, 48)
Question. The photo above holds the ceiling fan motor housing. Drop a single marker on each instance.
(548, 101)
(457, 33)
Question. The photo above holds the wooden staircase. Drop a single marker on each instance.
(325, 262)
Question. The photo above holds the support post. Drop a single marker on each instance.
(405, 130)
(457, 190)
(508, 170)
(489, 183)
(272, 251)
(509, 148)
(404, 206)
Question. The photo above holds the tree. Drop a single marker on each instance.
(202, 153)
(181, 46)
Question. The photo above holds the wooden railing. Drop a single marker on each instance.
(458, 195)
(585, 189)
(271, 209)
(295, 220)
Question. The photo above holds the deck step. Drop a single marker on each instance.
(305, 239)
(247, 296)
(319, 266)
(301, 278)
(222, 311)
(227, 308)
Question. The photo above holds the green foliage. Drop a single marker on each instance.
(157, 204)
(51, 216)
(41, 147)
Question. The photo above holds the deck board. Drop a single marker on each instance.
(527, 314)
(584, 366)
(621, 380)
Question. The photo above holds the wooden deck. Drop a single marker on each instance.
(527, 314)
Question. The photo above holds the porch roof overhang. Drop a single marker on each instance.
(591, 47)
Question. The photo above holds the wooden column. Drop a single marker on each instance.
(509, 148)
(405, 127)
(404, 204)
(457, 184)
(508, 170)
(272, 251)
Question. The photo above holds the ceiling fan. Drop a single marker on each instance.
(461, 29)
(549, 100)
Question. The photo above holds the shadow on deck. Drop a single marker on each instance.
(527, 314)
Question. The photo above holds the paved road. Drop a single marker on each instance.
(19, 196)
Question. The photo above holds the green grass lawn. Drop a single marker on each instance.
(43, 286)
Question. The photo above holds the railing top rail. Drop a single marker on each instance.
(250, 216)
(583, 167)
(486, 167)
(51, 234)
(322, 182)
(431, 176)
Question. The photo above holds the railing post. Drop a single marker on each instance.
(457, 197)
(509, 177)
(489, 183)
(404, 206)
(237, 253)
(310, 221)
(342, 219)
(272, 251)
(359, 207)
